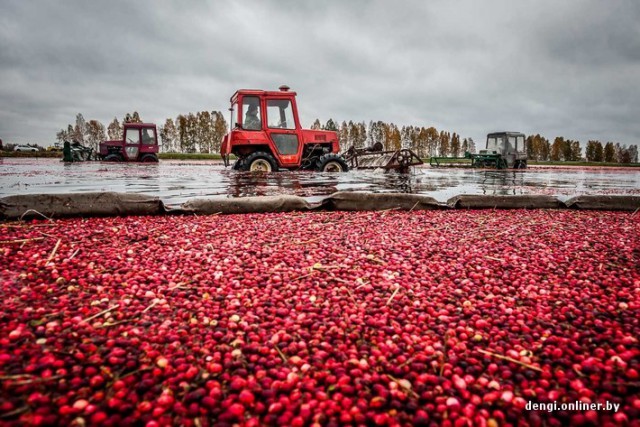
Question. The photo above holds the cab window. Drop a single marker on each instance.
(132, 136)
(494, 143)
(148, 136)
(280, 114)
(251, 113)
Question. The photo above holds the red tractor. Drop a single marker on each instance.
(266, 135)
(139, 144)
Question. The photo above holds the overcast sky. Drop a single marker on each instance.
(569, 68)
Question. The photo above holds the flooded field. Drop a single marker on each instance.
(178, 181)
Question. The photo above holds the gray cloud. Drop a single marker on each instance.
(567, 68)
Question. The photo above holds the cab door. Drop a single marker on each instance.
(131, 142)
(282, 130)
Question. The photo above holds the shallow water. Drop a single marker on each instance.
(178, 181)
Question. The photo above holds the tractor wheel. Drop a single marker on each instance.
(113, 158)
(260, 162)
(149, 158)
(331, 163)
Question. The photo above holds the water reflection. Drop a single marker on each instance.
(176, 182)
(244, 184)
(502, 183)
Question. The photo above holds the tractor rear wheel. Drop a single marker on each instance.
(149, 158)
(113, 158)
(331, 163)
(260, 162)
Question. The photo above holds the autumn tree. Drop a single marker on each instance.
(625, 155)
(444, 143)
(343, 135)
(330, 125)
(183, 138)
(464, 148)
(114, 130)
(80, 130)
(204, 131)
(566, 149)
(633, 153)
(405, 137)
(316, 125)
(599, 152)
(219, 129)
(95, 134)
(455, 145)
(394, 138)
(609, 152)
(576, 151)
(590, 151)
(472, 146)
(168, 136)
(362, 134)
(62, 136)
(557, 149)
(543, 148)
(594, 151)
(192, 133)
(376, 133)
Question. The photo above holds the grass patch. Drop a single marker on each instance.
(446, 161)
(32, 154)
(558, 163)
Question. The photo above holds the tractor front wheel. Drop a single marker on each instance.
(331, 163)
(113, 158)
(260, 162)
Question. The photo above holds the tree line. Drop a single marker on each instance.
(424, 141)
(539, 148)
(202, 132)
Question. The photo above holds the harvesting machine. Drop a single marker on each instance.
(266, 136)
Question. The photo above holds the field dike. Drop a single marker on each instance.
(98, 204)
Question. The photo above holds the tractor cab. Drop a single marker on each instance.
(139, 144)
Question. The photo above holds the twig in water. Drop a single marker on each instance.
(53, 252)
(284, 358)
(74, 253)
(37, 380)
(15, 412)
(153, 304)
(517, 362)
(33, 239)
(393, 295)
(102, 312)
(106, 325)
